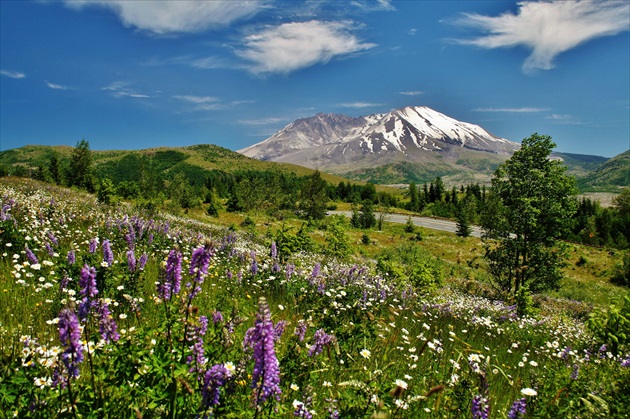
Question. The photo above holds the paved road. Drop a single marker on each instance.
(435, 224)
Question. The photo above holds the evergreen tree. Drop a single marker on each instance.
(81, 166)
(463, 224)
(314, 197)
(54, 169)
(413, 197)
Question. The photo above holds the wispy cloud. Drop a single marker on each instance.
(412, 93)
(261, 121)
(359, 105)
(175, 16)
(512, 110)
(292, 46)
(197, 99)
(12, 74)
(371, 5)
(121, 89)
(563, 119)
(549, 28)
(56, 86)
(201, 103)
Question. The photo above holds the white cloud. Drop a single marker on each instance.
(292, 46)
(165, 17)
(549, 28)
(261, 121)
(12, 74)
(197, 99)
(563, 119)
(513, 110)
(359, 105)
(56, 86)
(122, 89)
(371, 5)
(412, 93)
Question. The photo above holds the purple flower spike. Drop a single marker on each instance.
(108, 256)
(480, 407)
(93, 245)
(88, 290)
(214, 379)
(260, 341)
(131, 261)
(320, 339)
(70, 337)
(518, 409)
(71, 257)
(30, 255)
(107, 325)
(143, 261)
(172, 280)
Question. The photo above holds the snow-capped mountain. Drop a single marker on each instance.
(341, 144)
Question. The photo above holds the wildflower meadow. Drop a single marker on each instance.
(111, 311)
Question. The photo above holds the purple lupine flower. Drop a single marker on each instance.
(259, 339)
(626, 362)
(199, 263)
(93, 245)
(198, 354)
(70, 337)
(71, 257)
(52, 238)
(130, 237)
(30, 255)
(254, 265)
(228, 274)
(142, 261)
(274, 250)
(279, 329)
(131, 261)
(108, 255)
(150, 240)
(214, 379)
(320, 339)
(289, 271)
(49, 249)
(301, 411)
(518, 409)
(316, 271)
(172, 279)
(300, 330)
(217, 317)
(576, 372)
(88, 290)
(480, 407)
(106, 323)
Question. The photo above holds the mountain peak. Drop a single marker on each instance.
(408, 133)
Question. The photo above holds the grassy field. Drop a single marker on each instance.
(111, 312)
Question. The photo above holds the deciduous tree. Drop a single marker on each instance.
(529, 209)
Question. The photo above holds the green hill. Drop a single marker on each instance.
(125, 165)
(609, 177)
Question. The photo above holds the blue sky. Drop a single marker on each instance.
(129, 74)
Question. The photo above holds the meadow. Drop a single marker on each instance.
(112, 311)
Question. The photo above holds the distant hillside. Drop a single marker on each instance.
(124, 165)
(610, 176)
(581, 164)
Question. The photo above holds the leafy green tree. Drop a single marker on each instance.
(529, 209)
(314, 197)
(81, 166)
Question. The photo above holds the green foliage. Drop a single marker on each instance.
(365, 239)
(529, 210)
(288, 243)
(621, 275)
(612, 326)
(525, 303)
(409, 226)
(410, 263)
(105, 192)
(314, 197)
(337, 240)
(81, 167)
